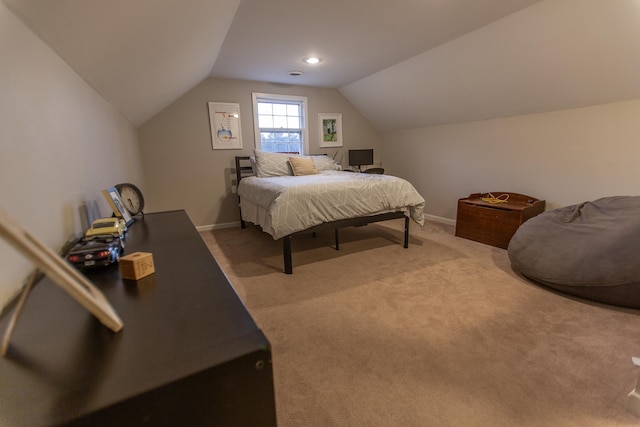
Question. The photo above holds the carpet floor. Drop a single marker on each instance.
(443, 333)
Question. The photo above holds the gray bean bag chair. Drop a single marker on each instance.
(590, 250)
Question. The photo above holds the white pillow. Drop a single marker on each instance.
(325, 163)
(272, 164)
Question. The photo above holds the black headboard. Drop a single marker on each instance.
(243, 168)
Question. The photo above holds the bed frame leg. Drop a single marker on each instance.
(286, 254)
(337, 235)
(406, 232)
(242, 223)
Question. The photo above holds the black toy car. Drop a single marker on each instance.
(95, 253)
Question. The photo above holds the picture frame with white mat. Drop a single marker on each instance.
(49, 263)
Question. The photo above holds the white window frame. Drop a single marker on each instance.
(258, 96)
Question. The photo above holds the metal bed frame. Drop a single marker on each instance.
(242, 170)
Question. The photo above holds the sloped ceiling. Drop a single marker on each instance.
(355, 38)
(403, 64)
(140, 55)
(556, 54)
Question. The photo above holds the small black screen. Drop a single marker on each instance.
(361, 157)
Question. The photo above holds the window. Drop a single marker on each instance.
(280, 123)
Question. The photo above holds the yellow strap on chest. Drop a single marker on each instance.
(493, 199)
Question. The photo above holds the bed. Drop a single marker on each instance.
(285, 199)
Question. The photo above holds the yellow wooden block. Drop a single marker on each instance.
(136, 265)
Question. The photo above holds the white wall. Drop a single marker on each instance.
(563, 157)
(60, 145)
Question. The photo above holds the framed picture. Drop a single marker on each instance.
(60, 271)
(224, 119)
(115, 201)
(330, 126)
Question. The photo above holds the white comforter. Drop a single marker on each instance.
(286, 204)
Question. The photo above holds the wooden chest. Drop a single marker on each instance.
(494, 223)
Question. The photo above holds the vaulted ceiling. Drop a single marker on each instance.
(403, 64)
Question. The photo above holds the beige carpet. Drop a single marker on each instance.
(440, 334)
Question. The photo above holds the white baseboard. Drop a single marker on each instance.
(440, 219)
(218, 226)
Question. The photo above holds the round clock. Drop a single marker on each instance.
(131, 197)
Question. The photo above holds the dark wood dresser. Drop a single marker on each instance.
(189, 352)
(495, 223)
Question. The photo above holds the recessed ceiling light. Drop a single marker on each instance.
(295, 73)
(312, 60)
